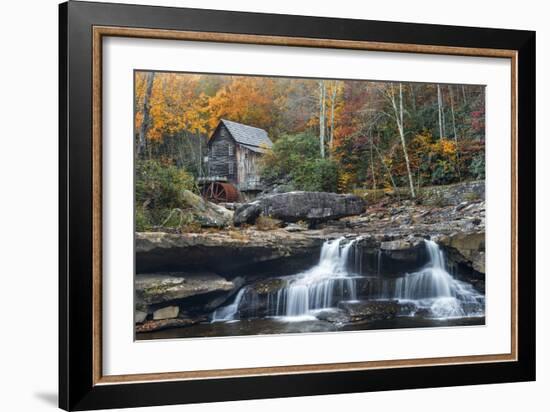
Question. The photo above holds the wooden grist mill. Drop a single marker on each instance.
(234, 151)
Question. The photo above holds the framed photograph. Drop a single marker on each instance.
(257, 205)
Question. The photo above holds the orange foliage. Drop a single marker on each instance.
(176, 105)
(246, 100)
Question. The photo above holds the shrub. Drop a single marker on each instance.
(297, 158)
(443, 172)
(159, 190)
(477, 167)
(318, 175)
(142, 219)
(287, 154)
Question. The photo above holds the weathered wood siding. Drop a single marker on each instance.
(237, 165)
(222, 161)
(248, 169)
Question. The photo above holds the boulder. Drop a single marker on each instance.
(247, 213)
(140, 316)
(158, 288)
(370, 310)
(268, 286)
(466, 248)
(338, 316)
(168, 312)
(393, 245)
(396, 257)
(297, 206)
(203, 212)
(229, 205)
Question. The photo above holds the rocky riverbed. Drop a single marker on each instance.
(184, 279)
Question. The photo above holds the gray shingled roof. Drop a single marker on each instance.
(252, 138)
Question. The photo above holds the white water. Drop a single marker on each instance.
(322, 286)
(227, 313)
(434, 288)
(332, 281)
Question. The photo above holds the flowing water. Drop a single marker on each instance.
(320, 287)
(431, 290)
(229, 312)
(435, 289)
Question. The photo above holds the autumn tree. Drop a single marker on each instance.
(366, 133)
(397, 106)
(246, 100)
(145, 112)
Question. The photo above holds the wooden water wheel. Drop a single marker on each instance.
(221, 192)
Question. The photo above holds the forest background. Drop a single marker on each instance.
(346, 136)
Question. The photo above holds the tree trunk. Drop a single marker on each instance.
(372, 164)
(440, 111)
(150, 77)
(413, 98)
(399, 120)
(322, 109)
(332, 102)
(451, 95)
(411, 184)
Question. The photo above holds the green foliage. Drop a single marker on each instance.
(143, 219)
(477, 167)
(443, 172)
(158, 191)
(317, 175)
(297, 157)
(288, 153)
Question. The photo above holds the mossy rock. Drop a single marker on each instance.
(267, 286)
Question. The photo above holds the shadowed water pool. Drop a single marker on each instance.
(274, 326)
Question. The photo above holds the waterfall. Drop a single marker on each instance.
(226, 313)
(433, 287)
(432, 281)
(322, 286)
(335, 277)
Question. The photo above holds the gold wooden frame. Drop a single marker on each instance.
(102, 31)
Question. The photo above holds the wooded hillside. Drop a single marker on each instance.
(329, 135)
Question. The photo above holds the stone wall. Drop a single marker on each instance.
(453, 194)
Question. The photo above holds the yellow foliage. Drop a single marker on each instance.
(447, 147)
(174, 104)
(345, 181)
(425, 144)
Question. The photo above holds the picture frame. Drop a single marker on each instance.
(83, 27)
